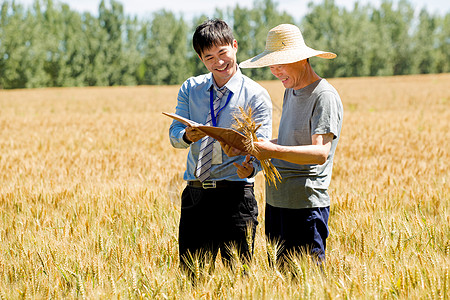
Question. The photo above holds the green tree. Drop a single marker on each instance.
(133, 44)
(242, 30)
(323, 28)
(395, 25)
(424, 44)
(442, 51)
(49, 44)
(74, 65)
(353, 43)
(11, 46)
(94, 50)
(166, 50)
(118, 66)
(381, 57)
(23, 54)
(401, 38)
(65, 60)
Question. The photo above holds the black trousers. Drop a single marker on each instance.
(220, 218)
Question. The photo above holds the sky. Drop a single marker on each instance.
(192, 8)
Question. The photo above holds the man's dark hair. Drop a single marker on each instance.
(212, 33)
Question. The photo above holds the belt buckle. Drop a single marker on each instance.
(209, 185)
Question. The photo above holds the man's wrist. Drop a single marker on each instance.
(252, 174)
(185, 139)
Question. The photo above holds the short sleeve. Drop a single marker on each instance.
(325, 117)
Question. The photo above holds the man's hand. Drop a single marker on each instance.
(231, 151)
(193, 134)
(246, 169)
(264, 149)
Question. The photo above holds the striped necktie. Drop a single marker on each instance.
(206, 147)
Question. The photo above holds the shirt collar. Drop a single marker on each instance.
(233, 84)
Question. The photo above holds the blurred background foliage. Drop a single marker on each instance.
(51, 45)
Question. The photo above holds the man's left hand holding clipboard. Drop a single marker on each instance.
(197, 131)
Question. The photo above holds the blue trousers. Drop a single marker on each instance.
(299, 231)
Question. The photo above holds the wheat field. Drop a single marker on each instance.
(90, 189)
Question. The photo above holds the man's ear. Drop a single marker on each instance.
(235, 44)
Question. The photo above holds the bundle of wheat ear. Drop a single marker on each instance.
(247, 126)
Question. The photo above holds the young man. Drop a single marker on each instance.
(297, 211)
(218, 207)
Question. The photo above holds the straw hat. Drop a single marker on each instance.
(284, 45)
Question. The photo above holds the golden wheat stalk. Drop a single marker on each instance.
(247, 126)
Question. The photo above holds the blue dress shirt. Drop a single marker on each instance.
(194, 104)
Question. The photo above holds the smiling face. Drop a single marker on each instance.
(221, 62)
(291, 75)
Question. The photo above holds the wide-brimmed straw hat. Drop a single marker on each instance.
(284, 45)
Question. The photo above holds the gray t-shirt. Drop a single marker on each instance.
(314, 109)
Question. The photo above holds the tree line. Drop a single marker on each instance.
(51, 45)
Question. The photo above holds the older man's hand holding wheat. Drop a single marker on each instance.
(264, 149)
(248, 127)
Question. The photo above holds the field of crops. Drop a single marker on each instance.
(90, 188)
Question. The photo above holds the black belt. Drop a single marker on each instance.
(219, 184)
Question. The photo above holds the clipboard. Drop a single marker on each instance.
(225, 135)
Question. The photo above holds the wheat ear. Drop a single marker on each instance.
(248, 127)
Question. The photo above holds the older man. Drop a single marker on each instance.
(297, 210)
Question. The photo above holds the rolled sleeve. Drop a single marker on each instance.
(176, 137)
(177, 129)
(262, 114)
